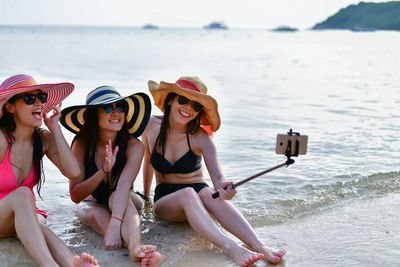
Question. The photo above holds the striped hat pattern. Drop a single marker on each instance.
(137, 114)
(21, 83)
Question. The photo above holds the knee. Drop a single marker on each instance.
(189, 195)
(91, 217)
(23, 196)
(206, 193)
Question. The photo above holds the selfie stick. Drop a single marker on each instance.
(288, 162)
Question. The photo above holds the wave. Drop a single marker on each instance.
(315, 198)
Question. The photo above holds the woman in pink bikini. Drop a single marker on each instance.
(23, 106)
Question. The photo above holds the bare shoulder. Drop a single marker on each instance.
(135, 144)
(3, 144)
(133, 141)
(153, 127)
(200, 140)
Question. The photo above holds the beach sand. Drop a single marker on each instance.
(364, 232)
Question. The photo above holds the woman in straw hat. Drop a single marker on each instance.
(23, 106)
(174, 147)
(109, 155)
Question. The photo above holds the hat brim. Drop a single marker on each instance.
(210, 115)
(56, 93)
(136, 118)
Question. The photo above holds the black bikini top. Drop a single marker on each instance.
(188, 163)
(103, 191)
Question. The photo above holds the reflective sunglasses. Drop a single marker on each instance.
(184, 100)
(120, 107)
(29, 99)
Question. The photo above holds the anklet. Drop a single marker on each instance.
(115, 217)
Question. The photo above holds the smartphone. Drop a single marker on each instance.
(298, 144)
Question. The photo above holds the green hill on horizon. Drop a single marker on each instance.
(379, 16)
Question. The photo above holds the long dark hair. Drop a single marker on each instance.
(8, 126)
(89, 135)
(192, 127)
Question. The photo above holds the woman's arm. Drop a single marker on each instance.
(148, 171)
(80, 188)
(210, 158)
(56, 147)
(134, 154)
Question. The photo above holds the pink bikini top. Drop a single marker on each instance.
(8, 181)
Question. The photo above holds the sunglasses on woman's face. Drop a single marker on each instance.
(120, 107)
(29, 99)
(197, 107)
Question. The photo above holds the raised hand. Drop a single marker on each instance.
(52, 121)
(110, 157)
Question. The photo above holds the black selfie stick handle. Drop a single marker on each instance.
(233, 186)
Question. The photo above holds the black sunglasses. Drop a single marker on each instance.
(29, 99)
(120, 107)
(184, 100)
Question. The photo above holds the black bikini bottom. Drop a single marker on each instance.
(164, 189)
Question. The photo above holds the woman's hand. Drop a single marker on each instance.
(227, 194)
(110, 157)
(52, 121)
(112, 237)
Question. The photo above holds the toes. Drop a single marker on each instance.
(77, 261)
(253, 259)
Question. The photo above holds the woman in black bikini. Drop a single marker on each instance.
(174, 147)
(109, 155)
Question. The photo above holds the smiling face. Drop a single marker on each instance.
(27, 108)
(182, 114)
(111, 121)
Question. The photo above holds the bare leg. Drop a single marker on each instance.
(132, 236)
(137, 201)
(18, 217)
(96, 216)
(186, 204)
(231, 219)
(61, 253)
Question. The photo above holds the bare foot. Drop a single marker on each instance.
(151, 259)
(87, 261)
(140, 252)
(273, 256)
(242, 255)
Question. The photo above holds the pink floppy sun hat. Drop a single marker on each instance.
(21, 83)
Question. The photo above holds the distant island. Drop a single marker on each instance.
(149, 27)
(216, 25)
(285, 29)
(364, 17)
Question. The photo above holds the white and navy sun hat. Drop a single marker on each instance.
(21, 83)
(137, 114)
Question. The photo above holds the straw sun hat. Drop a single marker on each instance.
(21, 83)
(137, 114)
(192, 88)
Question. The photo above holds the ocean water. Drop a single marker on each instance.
(340, 88)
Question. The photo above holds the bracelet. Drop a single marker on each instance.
(115, 217)
(105, 171)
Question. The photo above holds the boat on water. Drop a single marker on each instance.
(216, 25)
(149, 27)
(285, 29)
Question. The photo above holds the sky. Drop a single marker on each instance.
(301, 14)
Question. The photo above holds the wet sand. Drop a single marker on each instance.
(365, 232)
